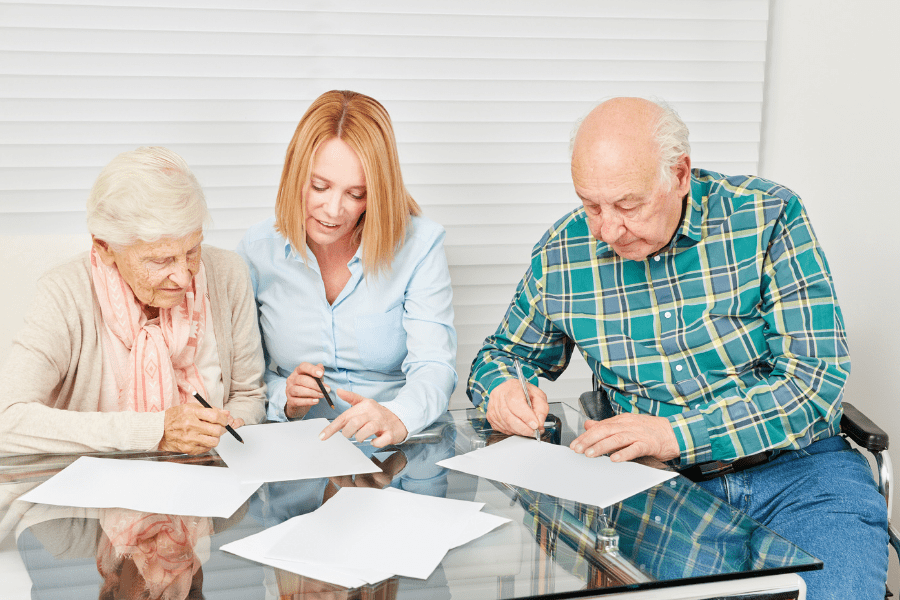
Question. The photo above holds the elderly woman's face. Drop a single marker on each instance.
(159, 273)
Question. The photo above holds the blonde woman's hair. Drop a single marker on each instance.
(364, 125)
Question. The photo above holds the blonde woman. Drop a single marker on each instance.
(351, 283)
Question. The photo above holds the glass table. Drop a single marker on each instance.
(672, 535)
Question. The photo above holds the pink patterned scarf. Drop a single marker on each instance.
(163, 350)
(163, 547)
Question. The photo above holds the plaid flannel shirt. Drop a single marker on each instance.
(732, 331)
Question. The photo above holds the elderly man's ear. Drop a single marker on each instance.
(682, 172)
(104, 251)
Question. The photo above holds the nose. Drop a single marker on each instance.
(332, 204)
(181, 273)
(609, 227)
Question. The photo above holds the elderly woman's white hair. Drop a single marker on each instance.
(671, 136)
(145, 195)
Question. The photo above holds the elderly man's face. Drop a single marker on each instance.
(615, 169)
(634, 212)
(159, 273)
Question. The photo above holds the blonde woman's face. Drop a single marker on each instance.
(335, 197)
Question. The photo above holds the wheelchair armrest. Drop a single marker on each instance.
(859, 428)
(595, 405)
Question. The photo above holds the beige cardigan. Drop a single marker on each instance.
(50, 384)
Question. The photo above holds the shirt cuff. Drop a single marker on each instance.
(693, 437)
(276, 399)
(407, 416)
(483, 385)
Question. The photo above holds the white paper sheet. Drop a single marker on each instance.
(368, 535)
(149, 486)
(291, 451)
(411, 532)
(558, 471)
(256, 547)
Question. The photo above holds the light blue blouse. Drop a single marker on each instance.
(388, 337)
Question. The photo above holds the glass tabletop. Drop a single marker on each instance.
(673, 534)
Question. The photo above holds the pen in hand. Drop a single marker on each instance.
(228, 427)
(324, 391)
(537, 435)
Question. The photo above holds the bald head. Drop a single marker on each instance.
(623, 129)
(631, 169)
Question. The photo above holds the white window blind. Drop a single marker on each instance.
(483, 95)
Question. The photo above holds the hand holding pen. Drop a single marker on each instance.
(228, 428)
(304, 389)
(193, 428)
(508, 410)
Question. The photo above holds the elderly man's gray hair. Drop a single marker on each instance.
(671, 136)
(146, 195)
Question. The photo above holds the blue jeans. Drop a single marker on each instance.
(824, 499)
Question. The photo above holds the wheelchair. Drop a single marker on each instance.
(854, 425)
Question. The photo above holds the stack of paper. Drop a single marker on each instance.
(558, 471)
(391, 532)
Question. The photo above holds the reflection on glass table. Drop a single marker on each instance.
(673, 534)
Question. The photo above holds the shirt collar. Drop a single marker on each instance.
(291, 253)
(690, 230)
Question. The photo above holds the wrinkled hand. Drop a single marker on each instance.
(193, 429)
(628, 436)
(508, 411)
(302, 390)
(392, 465)
(366, 418)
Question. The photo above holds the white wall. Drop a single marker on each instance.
(830, 133)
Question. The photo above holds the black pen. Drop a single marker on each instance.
(228, 427)
(322, 387)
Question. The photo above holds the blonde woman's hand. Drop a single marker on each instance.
(302, 390)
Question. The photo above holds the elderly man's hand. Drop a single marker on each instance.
(366, 418)
(508, 410)
(301, 390)
(628, 436)
(193, 429)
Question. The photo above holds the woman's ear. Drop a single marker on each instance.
(104, 251)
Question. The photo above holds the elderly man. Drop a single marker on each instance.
(705, 307)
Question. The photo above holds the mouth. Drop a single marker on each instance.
(327, 225)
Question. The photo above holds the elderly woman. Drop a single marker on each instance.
(351, 284)
(118, 340)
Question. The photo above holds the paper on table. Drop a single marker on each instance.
(256, 548)
(156, 487)
(396, 532)
(290, 451)
(558, 471)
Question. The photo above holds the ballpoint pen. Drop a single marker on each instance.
(322, 389)
(228, 427)
(537, 435)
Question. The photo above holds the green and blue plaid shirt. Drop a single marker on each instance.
(732, 331)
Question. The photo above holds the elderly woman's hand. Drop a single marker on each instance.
(302, 390)
(193, 429)
(366, 418)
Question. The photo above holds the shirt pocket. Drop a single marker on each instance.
(381, 339)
